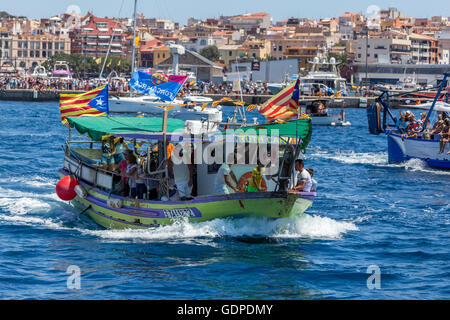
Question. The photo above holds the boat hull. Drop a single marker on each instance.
(146, 214)
(426, 150)
(330, 120)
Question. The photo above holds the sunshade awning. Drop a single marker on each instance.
(97, 127)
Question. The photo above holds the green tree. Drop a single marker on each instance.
(80, 64)
(211, 53)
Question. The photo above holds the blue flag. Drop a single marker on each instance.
(158, 84)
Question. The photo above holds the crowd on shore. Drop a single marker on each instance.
(121, 85)
(53, 84)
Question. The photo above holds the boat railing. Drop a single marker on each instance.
(94, 175)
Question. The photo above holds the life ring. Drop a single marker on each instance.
(244, 182)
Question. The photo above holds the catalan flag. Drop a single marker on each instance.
(93, 103)
(284, 105)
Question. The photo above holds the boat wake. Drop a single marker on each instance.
(378, 159)
(38, 206)
(309, 227)
(351, 157)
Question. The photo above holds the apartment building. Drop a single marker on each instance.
(95, 36)
(5, 46)
(27, 51)
(424, 49)
(153, 53)
(383, 50)
(398, 49)
(251, 23)
(302, 54)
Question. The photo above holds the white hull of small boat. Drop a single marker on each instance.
(329, 120)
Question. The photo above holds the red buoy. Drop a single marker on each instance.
(65, 188)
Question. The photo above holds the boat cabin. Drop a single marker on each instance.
(164, 154)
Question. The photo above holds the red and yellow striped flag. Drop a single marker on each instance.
(93, 103)
(284, 105)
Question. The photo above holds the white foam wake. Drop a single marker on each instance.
(417, 165)
(313, 227)
(351, 157)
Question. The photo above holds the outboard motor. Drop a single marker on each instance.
(374, 118)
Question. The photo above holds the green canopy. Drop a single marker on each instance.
(97, 127)
(301, 128)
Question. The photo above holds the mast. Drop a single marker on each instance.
(133, 52)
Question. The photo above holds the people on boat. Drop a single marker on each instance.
(302, 180)
(313, 181)
(130, 173)
(184, 179)
(141, 188)
(256, 179)
(402, 124)
(118, 150)
(438, 127)
(225, 178)
(107, 160)
(413, 128)
(445, 135)
(152, 182)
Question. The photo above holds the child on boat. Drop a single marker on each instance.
(256, 179)
(314, 182)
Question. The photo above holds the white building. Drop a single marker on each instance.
(383, 50)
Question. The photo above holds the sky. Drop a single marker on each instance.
(181, 10)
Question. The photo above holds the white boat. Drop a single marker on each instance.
(39, 72)
(324, 74)
(61, 71)
(322, 116)
(188, 109)
(440, 106)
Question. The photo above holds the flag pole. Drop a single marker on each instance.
(133, 52)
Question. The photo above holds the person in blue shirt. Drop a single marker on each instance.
(402, 124)
(118, 152)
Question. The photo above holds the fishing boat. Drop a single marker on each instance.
(401, 149)
(92, 188)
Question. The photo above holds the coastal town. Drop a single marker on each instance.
(386, 47)
(201, 152)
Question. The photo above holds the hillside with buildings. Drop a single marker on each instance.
(394, 39)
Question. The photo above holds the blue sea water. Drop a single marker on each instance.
(367, 213)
